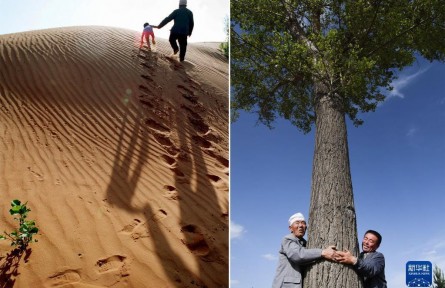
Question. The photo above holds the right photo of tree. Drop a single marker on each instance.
(337, 143)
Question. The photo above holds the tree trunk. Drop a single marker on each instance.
(332, 219)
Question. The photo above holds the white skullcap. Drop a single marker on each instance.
(296, 217)
(182, 2)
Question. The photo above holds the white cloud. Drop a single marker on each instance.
(436, 253)
(411, 132)
(234, 282)
(236, 230)
(269, 257)
(402, 82)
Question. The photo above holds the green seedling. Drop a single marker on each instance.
(27, 228)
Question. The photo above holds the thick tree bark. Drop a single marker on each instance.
(332, 219)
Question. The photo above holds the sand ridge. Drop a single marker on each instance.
(122, 156)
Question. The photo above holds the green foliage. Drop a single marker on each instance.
(26, 230)
(287, 55)
(224, 46)
(438, 278)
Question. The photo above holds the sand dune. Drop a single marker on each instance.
(122, 156)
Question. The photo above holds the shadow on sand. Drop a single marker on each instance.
(188, 159)
(9, 269)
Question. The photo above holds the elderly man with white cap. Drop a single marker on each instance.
(182, 27)
(294, 254)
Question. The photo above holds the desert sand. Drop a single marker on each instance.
(122, 156)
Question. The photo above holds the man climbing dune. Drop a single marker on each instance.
(182, 28)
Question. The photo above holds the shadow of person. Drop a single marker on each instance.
(200, 212)
(132, 152)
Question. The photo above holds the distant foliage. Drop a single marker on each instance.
(22, 236)
(438, 278)
(224, 46)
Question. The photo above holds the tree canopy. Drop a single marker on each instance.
(281, 49)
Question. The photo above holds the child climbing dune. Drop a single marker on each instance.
(146, 33)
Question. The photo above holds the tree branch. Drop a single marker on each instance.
(403, 33)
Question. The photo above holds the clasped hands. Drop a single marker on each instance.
(344, 257)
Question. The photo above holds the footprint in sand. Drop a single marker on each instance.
(161, 214)
(184, 155)
(151, 82)
(222, 160)
(188, 94)
(144, 89)
(147, 93)
(185, 90)
(64, 277)
(210, 136)
(214, 178)
(171, 193)
(199, 125)
(166, 143)
(194, 240)
(130, 227)
(202, 142)
(178, 172)
(37, 175)
(146, 102)
(142, 57)
(191, 98)
(163, 139)
(196, 120)
(154, 125)
(191, 111)
(150, 67)
(136, 230)
(195, 85)
(170, 160)
(148, 78)
(174, 61)
(158, 108)
(111, 264)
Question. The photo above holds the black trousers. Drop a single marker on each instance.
(182, 39)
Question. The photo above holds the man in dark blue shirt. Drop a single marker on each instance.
(370, 264)
(182, 28)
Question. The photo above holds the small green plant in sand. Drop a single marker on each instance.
(26, 230)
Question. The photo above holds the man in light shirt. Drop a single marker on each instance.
(293, 255)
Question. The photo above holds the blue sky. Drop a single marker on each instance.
(398, 173)
(25, 15)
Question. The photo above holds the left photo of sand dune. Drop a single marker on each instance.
(120, 153)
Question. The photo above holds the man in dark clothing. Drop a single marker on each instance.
(370, 264)
(182, 27)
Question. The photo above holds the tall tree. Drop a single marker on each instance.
(316, 62)
(438, 278)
